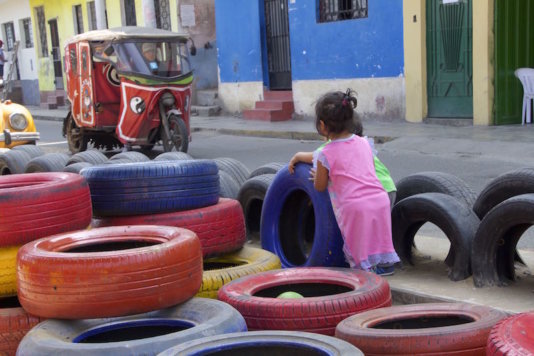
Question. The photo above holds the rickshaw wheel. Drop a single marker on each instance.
(178, 135)
(76, 139)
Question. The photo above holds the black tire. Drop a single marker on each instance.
(268, 168)
(259, 342)
(179, 136)
(32, 150)
(507, 185)
(130, 156)
(50, 162)
(173, 156)
(13, 162)
(458, 222)
(228, 186)
(152, 187)
(91, 156)
(76, 138)
(435, 182)
(251, 197)
(233, 167)
(141, 334)
(495, 242)
(77, 167)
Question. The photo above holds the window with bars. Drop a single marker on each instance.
(91, 14)
(27, 33)
(9, 32)
(163, 16)
(129, 12)
(338, 10)
(41, 26)
(78, 19)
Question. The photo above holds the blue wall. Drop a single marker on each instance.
(362, 48)
(205, 65)
(238, 40)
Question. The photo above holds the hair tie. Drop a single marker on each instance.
(344, 102)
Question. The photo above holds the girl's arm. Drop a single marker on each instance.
(305, 157)
(320, 181)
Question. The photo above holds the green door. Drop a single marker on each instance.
(449, 58)
(514, 48)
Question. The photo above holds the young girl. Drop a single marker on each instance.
(345, 165)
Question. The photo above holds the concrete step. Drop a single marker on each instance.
(213, 110)
(284, 105)
(278, 95)
(266, 115)
(207, 97)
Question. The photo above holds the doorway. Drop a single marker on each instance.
(449, 58)
(277, 40)
(56, 54)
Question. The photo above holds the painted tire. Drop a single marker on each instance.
(77, 167)
(50, 162)
(32, 150)
(131, 156)
(91, 156)
(152, 187)
(330, 295)
(505, 186)
(223, 269)
(251, 197)
(60, 202)
(15, 322)
(494, 245)
(234, 168)
(109, 271)
(281, 343)
(220, 227)
(435, 182)
(173, 156)
(268, 168)
(295, 216)
(229, 188)
(142, 334)
(8, 271)
(458, 222)
(421, 329)
(13, 162)
(513, 335)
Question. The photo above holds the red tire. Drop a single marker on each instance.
(42, 204)
(15, 322)
(330, 295)
(421, 329)
(220, 227)
(109, 272)
(512, 336)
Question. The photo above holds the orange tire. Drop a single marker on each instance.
(15, 322)
(109, 272)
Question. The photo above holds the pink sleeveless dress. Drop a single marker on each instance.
(360, 203)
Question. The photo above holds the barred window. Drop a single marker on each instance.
(163, 16)
(27, 33)
(338, 10)
(78, 19)
(91, 14)
(129, 12)
(9, 32)
(39, 14)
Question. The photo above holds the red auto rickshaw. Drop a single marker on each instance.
(128, 86)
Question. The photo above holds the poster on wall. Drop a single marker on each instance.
(187, 15)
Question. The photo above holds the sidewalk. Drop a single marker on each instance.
(427, 281)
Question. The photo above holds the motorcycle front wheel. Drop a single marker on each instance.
(179, 138)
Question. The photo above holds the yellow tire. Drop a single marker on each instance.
(223, 269)
(8, 271)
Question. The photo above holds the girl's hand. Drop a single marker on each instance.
(306, 157)
(291, 166)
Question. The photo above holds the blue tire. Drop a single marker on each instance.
(152, 187)
(266, 342)
(141, 334)
(298, 223)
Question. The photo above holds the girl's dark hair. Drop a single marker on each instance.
(336, 110)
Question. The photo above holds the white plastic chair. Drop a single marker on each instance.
(526, 76)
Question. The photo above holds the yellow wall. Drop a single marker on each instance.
(415, 61)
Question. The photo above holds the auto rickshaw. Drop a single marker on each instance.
(128, 86)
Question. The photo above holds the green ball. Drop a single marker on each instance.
(290, 295)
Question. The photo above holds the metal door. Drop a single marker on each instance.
(514, 48)
(449, 58)
(278, 52)
(56, 54)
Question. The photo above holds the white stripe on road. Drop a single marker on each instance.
(51, 143)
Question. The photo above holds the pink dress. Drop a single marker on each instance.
(360, 203)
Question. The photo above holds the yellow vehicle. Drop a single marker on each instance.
(17, 126)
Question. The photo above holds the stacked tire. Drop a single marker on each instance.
(33, 206)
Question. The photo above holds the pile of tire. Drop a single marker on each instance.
(33, 206)
(185, 194)
(513, 335)
(117, 290)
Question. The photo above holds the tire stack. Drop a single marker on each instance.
(118, 290)
(180, 193)
(33, 206)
